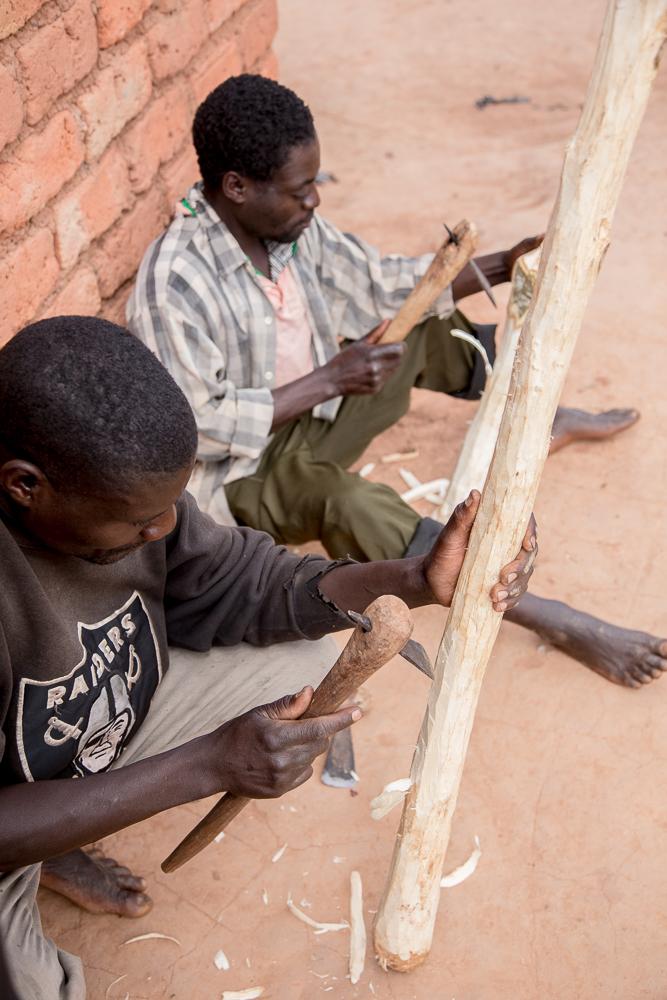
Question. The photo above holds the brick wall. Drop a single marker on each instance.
(96, 104)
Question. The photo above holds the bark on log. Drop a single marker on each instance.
(576, 241)
(474, 461)
(450, 259)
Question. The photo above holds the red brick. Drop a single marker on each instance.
(220, 11)
(269, 65)
(121, 250)
(80, 296)
(116, 17)
(157, 136)
(28, 272)
(91, 207)
(180, 174)
(175, 38)
(40, 166)
(56, 57)
(119, 93)
(113, 309)
(15, 13)
(11, 118)
(223, 62)
(256, 29)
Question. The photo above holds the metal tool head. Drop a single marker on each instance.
(483, 281)
(415, 654)
(366, 623)
(452, 236)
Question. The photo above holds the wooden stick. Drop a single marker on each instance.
(472, 465)
(447, 263)
(365, 653)
(577, 238)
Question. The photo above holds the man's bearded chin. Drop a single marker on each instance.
(114, 555)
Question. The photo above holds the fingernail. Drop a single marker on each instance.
(356, 715)
(502, 607)
(502, 595)
(468, 501)
(532, 541)
(512, 577)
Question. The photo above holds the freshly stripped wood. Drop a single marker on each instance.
(576, 242)
(447, 263)
(474, 461)
(357, 929)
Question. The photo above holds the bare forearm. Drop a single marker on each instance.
(493, 266)
(297, 397)
(43, 819)
(354, 586)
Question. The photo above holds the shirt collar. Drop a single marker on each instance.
(229, 254)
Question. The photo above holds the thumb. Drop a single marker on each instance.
(456, 533)
(374, 335)
(292, 706)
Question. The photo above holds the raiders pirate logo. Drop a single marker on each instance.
(78, 724)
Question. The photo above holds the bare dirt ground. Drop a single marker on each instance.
(565, 777)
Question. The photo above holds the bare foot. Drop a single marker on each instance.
(96, 883)
(618, 654)
(578, 425)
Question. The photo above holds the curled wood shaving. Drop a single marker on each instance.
(148, 937)
(221, 961)
(219, 837)
(251, 994)
(366, 469)
(400, 456)
(474, 342)
(390, 796)
(320, 928)
(265, 897)
(433, 491)
(463, 871)
(278, 855)
(357, 929)
(114, 983)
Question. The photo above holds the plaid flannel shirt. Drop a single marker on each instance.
(198, 305)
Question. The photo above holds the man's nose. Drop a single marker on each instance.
(161, 526)
(312, 199)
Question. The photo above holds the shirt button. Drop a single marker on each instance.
(268, 320)
(268, 376)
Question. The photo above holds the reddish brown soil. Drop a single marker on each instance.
(565, 776)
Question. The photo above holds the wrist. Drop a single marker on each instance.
(418, 589)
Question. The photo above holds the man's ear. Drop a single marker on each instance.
(234, 187)
(22, 481)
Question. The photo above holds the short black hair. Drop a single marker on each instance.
(249, 124)
(90, 405)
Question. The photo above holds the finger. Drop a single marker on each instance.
(312, 730)
(523, 563)
(374, 335)
(291, 706)
(456, 533)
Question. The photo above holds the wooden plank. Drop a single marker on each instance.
(576, 242)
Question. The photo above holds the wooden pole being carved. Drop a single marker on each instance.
(474, 461)
(577, 238)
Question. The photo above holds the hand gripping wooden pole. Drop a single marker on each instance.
(474, 461)
(577, 238)
(365, 653)
(450, 259)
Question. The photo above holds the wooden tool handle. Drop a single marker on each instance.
(447, 263)
(365, 653)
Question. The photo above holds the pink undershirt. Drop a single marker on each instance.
(294, 357)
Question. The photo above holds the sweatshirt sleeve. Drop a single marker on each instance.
(228, 585)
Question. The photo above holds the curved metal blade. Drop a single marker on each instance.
(415, 654)
(483, 281)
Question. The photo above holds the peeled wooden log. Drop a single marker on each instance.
(449, 261)
(472, 466)
(576, 242)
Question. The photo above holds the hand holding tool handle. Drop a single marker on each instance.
(450, 259)
(365, 653)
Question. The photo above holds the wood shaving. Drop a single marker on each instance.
(357, 929)
(474, 342)
(219, 837)
(278, 855)
(433, 491)
(251, 994)
(265, 897)
(389, 797)
(464, 871)
(148, 937)
(320, 928)
(221, 961)
(400, 456)
(366, 469)
(409, 478)
(114, 983)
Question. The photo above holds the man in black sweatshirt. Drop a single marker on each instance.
(105, 564)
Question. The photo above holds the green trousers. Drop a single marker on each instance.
(302, 491)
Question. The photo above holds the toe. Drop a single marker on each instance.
(133, 904)
(134, 883)
(654, 665)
